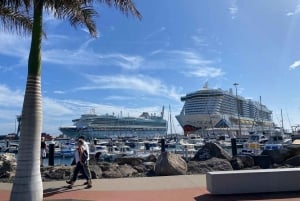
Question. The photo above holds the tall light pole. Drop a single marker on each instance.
(238, 110)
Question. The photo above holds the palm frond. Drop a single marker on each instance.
(77, 12)
(125, 6)
(14, 20)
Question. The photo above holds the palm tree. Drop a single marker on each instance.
(27, 184)
(14, 20)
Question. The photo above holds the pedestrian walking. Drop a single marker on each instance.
(81, 156)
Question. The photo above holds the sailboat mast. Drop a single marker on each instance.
(170, 116)
(281, 119)
(261, 114)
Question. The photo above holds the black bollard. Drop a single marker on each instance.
(163, 145)
(51, 155)
(233, 146)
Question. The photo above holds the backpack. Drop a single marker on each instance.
(84, 156)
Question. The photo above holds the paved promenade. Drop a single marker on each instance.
(171, 188)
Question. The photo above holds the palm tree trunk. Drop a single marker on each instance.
(28, 183)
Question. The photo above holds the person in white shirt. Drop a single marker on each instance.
(86, 147)
(81, 156)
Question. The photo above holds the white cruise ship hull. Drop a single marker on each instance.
(216, 109)
(99, 126)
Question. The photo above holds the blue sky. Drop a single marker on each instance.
(135, 66)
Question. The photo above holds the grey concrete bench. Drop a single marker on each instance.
(253, 181)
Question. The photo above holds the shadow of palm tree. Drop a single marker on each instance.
(249, 197)
(53, 191)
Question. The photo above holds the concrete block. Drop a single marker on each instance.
(253, 181)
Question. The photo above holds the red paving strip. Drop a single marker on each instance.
(190, 194)
(157, 195)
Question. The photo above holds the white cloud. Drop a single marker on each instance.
(13, 45)
(190, 57)
(54, 107)
(87, 57)
(199, 41)
(126, 61)
(233, 9)
(59, 92)
(119, 98)
(141, 83)
(205, 72)
(161, 29)
(10, 98)
(295, 12)
(196, 65)
(295, 65)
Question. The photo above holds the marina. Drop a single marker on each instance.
(208, 115)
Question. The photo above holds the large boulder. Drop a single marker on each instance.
(248, 161)
(96, 171)
(112, 171)
(57, 172)
(211, 150)
(170, 164)
(280, 155)
(236, 163)
(7, 165)
(263, 161)
(213, 164)
(294, 161)
(133, 161)
(127, 171)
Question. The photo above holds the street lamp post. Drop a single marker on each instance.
(238, 110)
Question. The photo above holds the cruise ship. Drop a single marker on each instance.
(107, 126)
(217, 110)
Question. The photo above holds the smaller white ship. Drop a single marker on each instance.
(99, 126)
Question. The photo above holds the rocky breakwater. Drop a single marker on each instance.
(211, 157)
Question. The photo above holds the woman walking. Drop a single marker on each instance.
(81, 157)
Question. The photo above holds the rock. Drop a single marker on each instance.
(213, 164)
(129, 160)
(211, 150)
(145, 167)
(240, 162)
(279, 156)
(170, 164)
(294, 161)
(263, 161)
(128, 171)
(151, 158)
(105, 165)
(96, 171)
(248, 161)
(112, 171)
(57, 172)
(236, 163)
(7, 165)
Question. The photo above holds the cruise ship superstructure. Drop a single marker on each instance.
(98, 126)
(217, 109)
